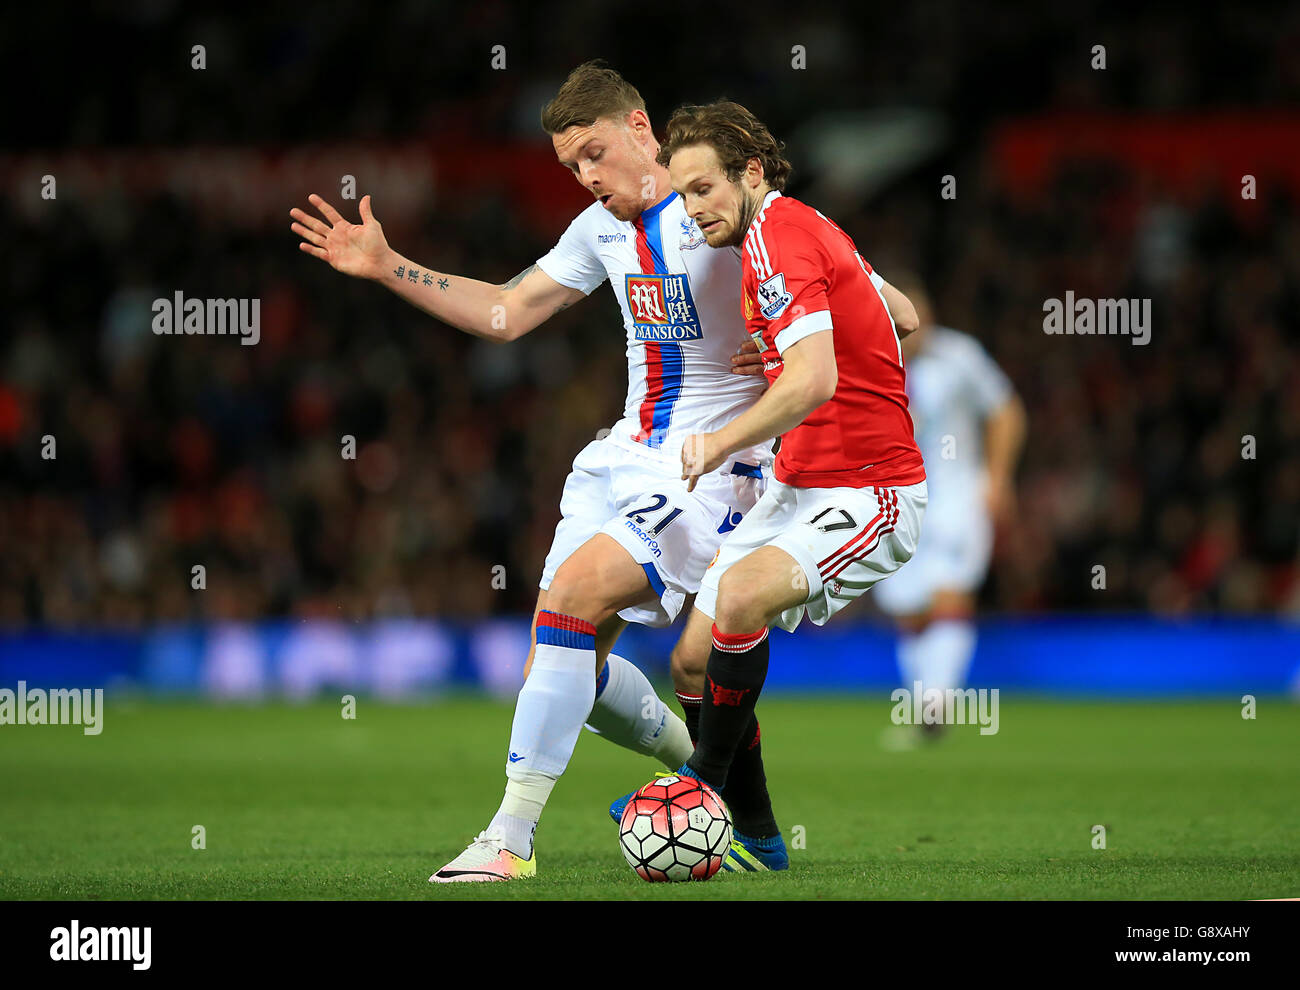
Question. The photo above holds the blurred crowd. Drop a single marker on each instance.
(1175, 466)
(171, 453)
(441, 67)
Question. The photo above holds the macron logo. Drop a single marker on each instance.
(514, 758)
(77, 944)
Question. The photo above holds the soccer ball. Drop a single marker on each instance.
(675, 828)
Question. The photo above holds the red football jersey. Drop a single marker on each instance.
(803, 275)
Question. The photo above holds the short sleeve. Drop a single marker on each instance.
(876, 280)
(573, 261)
(791, 271)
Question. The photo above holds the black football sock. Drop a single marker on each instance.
(746, 793)
(691, 704)
(733, 679)
(747, 797)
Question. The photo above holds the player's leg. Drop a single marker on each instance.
(936, 649)
(627, 711)
(693, 658)
(607, 634)
(905, 597)
(674, 535)
(757, 844)
(822, 554)
(687, 664)
(751, 594)
(933, 600)
(674, 738)
(588, 590)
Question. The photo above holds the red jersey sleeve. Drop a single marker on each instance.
(792, 274)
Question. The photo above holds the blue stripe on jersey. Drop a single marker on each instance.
(670, 353)
(671, 368)
(653, 212)
(650, 220)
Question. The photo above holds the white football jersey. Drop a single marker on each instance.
(681, 312)
(952, 386)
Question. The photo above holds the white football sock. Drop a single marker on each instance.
(942, 653)
(521, 808)
(629, 712)
(553, 704)
(909, 663)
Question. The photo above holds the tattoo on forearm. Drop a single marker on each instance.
(520, 277)
(443, 283)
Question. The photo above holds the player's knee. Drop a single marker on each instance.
(952, 605)
(739, 609)
(914, 624)
(687, 665)
(575, 601)
(578, 593)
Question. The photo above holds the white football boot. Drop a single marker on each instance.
(486, 859)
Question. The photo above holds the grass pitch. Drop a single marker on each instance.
(297, 802)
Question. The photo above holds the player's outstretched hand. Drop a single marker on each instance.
(748, 360)
(700, 455)
(352, 248)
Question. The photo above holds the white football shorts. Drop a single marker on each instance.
(844, 540)
(642, 502)
(953, 554)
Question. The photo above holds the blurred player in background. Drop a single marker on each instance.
(970, 426)
(634, 540)
(845, 508)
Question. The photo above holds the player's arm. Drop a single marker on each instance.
(495, 312)
(808, 379)
(1004, 437)
(901, 309)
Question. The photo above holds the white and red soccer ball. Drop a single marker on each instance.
(675, 828)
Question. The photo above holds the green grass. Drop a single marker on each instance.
(299, 803)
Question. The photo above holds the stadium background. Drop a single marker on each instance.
(378, 574)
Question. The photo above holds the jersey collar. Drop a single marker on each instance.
(767, 201)
(651, 213)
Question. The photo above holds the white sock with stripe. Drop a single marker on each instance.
(629, 712)
(553, 704)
